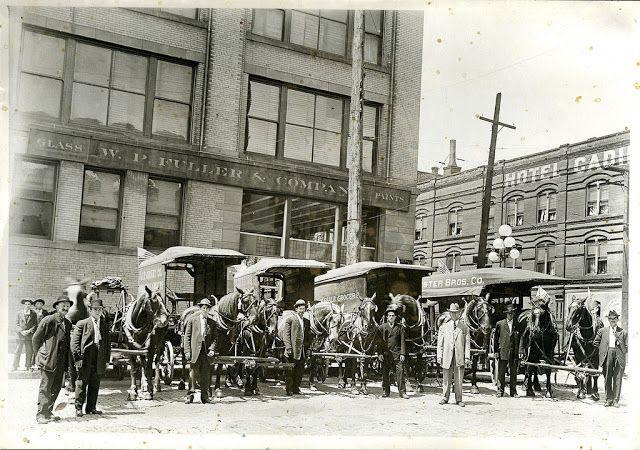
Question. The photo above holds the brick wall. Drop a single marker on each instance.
(134, 200)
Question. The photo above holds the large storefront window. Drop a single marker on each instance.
(100, 207)
(312, 229)
(369, 236)
(164, 211)
(261, 224)
(32, 208)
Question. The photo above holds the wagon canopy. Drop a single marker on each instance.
(362, 268)
(272, 266)
(498, 281)
(183, 254)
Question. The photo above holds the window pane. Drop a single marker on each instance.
(304, 29)
(43, 54)
(36, 180)
(592, 249)
(335, 14)
(326, 148)
(162, 222)
(174, 81)
(312, 221)
(367, 156)
(592, 193)
(602, 266)
(591, 265)
(93, 64)
(40, 95)
(164, 197)
(369, 121)
(261, 137)
(191, 13)
(604, 192)
(101, 189)
(268, 23)
(300, 106)
(328, 114)
(89, 104)
(32, 217)
(98, 224)
(373, 22)
(297, 142)
(161, 238)
(264, 100)
(129, 72)
(552, 201)
(170, 119)
(126, 111)
(262, 214)
(333, 37)
(371, 49)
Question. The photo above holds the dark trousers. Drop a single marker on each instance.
(513, 373)
(294, 376)
(50, 385)
(88, 382)
(201, 371)
(28, 346)
(392, 362)
(612, 376)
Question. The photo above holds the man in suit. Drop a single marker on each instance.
(294, 351)
(199, 347)
(51, 342)
(506, 346)
(91, 349)
(38, 309)
(26, 323)
(391, 351)
(454, 350)
(612, 351)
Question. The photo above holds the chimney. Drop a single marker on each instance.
(453, 167)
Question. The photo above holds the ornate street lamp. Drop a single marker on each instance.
(504, 246)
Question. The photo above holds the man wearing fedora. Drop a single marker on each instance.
(293, 337)
(505, 342)
(51, 342)
(199, 348)
(26, 323)
(454, 350)
(611, 341)
(391, 351)
(91, 349)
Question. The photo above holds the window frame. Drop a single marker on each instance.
(598, 203)
(546, 196)
(122, 176)
(457, 223)
(456, 259)
(598, 241)
(546, 261)
(180, 216)
(515, 200)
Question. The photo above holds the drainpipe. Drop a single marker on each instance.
(391, 93)
(205, 86)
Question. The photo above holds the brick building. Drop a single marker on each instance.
(567, 208)
(215, 128)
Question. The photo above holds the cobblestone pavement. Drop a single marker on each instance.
(328, 412)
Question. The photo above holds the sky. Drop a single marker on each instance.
(567, 72)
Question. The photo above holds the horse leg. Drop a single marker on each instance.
(536, 381)
(363, 377)
(419, 372)
(148, 373)
(217, 385)
(183, 378)
(135, 378)
(158, 384)
(594, 392)
(549, 393)
(474, 368)
(528, 381)
(342, 380)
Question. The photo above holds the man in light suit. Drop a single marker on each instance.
(612, 351)
(506, 346)
(293, 338)
(454, 350)
(199, 348)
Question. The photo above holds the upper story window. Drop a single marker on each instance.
(597, 198)
(33, 204)
(452, 261)
(547, 206)
(190, 13)
(491, 215)
(419, 228)
(596, 256)
(164, 212)
(455, 222)
(109, 88)
(100, 213)
(372, 36)
(546, 258)
(515, 211)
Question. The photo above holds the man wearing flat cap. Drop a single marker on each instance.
(611, 341)
(51, 342)
(91, 349)
(391, 351)
(199, 348)
(506, 343)
(293, 337)
(454, 350)
(26, 323)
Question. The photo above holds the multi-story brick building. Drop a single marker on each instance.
(213, 128)
(567, 208)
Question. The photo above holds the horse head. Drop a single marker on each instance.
(157, 308)
(574, 315)
(366, 312)
(80, 301)
(269, 312)
(477, 314)
(246, 302)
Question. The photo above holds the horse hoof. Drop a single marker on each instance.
(531, 394)
(181, 386)
(475, 390)
(548, 394)
(340, 385)
(132, 397)
(595, 397)
(218, 393)
(147, 396)
(313, 388)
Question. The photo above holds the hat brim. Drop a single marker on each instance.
(57, 302)
(25, 301)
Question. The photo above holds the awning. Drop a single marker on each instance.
(357, 269)
(279, 266)
(183, 254)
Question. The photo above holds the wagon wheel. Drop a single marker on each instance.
(167, 362)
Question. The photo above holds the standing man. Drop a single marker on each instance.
(91, 349)
(293, 337)
(391, 352)
(454, 350)
(51, 342)
(40, 313)
(505, 343)
(26, 323)
(612, 351)
(199, 347)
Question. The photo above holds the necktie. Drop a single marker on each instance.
(96, 327)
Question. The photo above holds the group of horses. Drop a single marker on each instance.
(248, 326)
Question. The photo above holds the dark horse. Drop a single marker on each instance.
(583, 327)
(477, 316)
(145, 326)
(538, 340)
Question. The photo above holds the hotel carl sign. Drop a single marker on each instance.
(205, 168)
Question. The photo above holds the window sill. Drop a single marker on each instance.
(174, 17)
(21, 240)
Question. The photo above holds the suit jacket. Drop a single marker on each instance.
(51, 343)
(450, 339)
(602, 342)
(28, 322)
(392, 339)
(43, 313)
(194, 337)
(82, 344)
(504, 342)
(293, 336)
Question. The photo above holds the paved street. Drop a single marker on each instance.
(326, 413)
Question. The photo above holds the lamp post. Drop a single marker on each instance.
(504, 246)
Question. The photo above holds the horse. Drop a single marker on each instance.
(357, 336)
(538, 340)
(583, 327)
(78, 311)
(145, 326)
(477, 316)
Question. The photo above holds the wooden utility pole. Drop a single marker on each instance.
(488, 182)
(354, 149)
